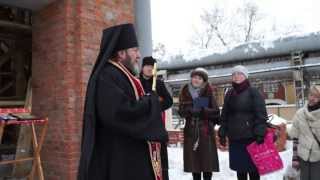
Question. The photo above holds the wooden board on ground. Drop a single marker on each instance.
(24, 144)
(24, 149)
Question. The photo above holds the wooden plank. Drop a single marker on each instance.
(1, 131)
(15, 25)
(28, 101)
(35, 157)
(41, 141)
(24, 143)
(21, 81)
(17, 161)
(12, 103)
(23, 150)
(37, 148)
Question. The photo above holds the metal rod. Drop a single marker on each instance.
(254, 72)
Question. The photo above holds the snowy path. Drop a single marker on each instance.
(176, 165)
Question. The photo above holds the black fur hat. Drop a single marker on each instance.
(149, 60)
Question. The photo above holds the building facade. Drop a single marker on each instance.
(282, 71)
(49, 47)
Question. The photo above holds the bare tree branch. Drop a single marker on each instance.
(226, 29)
(214, 20)
(219, 36)
(251, 12)
(159, 51)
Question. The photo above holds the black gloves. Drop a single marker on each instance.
(196, 113)
(259, 139)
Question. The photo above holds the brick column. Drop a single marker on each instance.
(66, 39)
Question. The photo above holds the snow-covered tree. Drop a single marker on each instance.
(159, 51)
(221, 29)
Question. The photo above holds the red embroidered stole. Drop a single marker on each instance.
(154, 147)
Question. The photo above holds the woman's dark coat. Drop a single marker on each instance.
(243, 121)
(205, 158)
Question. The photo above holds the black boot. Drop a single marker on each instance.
(254, 175)
(196, 176)
(242, 175)
(207, 175)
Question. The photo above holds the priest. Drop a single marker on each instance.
(122, 128)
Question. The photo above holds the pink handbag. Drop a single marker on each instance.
(265, 156)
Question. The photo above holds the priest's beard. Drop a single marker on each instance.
(131, 64)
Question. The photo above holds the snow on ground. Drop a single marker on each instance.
(176, 165)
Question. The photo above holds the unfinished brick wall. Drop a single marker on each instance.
(66, 38)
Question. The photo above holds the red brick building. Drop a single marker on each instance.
(64, 42)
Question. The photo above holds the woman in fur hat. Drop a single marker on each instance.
(306, 127)
(198, 106)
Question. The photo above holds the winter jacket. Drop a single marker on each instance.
(308, 148)
(243, 115)
(205, 158)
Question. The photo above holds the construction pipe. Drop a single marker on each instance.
(254, 72)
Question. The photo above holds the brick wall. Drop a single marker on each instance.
(66, 37)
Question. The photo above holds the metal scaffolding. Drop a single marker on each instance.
(297, 61)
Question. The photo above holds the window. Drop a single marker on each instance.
(15, 55)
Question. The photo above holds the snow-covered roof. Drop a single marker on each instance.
(279, 69)
(254, 50)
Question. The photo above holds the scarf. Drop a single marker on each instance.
(314, 107)
(239, 88)
(194, 91)
(154, 147)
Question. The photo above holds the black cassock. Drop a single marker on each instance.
(116, 130)
(167, 102)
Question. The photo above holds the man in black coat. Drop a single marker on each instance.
(122, 127)
(146, 78)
